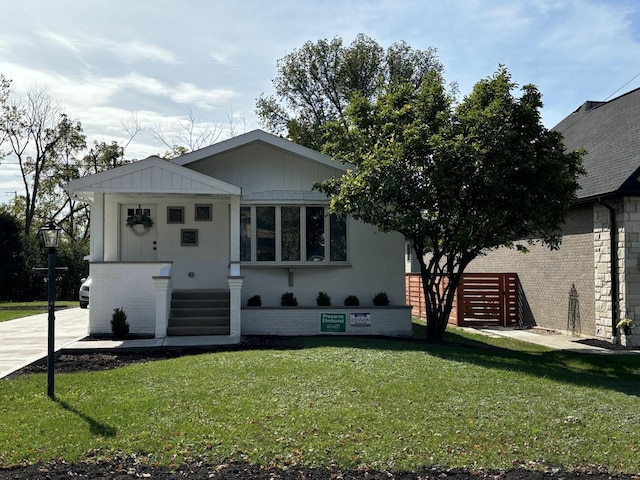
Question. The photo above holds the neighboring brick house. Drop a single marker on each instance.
(579, 274)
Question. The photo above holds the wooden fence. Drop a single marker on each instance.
(482, 299)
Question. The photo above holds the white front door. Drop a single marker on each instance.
(137, 244)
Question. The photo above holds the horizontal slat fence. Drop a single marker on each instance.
(482, 299)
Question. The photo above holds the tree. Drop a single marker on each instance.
(192, 134)
(456, 181)
(315, 84)
(42, 140)
(13, 271)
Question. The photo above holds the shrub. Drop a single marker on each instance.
(380, 299)
(288, 300)
(119, 324)
(323, 300)
(351, 301)
(254, 301)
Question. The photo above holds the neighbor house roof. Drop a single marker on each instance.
(610, 134)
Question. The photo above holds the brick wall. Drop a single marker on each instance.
(547, 276)
(294, 321)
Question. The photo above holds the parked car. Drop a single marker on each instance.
(83, 294)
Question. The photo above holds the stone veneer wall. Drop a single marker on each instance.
(602, 268)
(628, 253)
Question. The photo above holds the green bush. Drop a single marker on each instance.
(380, 299)
(254, 301)
(351, 301)
(323, 300)
(288, 300)
(119, 324)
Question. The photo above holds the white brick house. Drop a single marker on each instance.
(230, 221)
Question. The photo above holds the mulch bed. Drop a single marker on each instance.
(130, 468)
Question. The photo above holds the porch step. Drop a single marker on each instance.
(199, 312)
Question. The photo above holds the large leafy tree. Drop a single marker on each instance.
(455, 180)
(315, 84)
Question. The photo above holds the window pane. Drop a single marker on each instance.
(315, 233)
(338, 235)
(245, 234)
(290, 235)
(266, 232)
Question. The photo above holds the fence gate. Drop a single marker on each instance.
(482, 299)
(488, 300)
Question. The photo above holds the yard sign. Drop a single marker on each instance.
(333, 322)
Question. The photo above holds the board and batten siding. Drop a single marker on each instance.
(261, 168)
(152, 179)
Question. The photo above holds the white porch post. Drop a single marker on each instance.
(235, 289)
(97, 228)
(235, 280)
(162, 285)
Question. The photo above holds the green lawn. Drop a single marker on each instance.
(13, 310)
(349, 402)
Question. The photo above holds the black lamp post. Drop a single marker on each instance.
(50, 234)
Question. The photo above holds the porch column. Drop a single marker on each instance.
(96, 250)
(162, 285)
(234, 236)
(235, 290)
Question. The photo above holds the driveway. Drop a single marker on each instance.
(24, 340)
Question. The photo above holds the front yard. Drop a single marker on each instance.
(347, 402)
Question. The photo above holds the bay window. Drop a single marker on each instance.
(292, 235)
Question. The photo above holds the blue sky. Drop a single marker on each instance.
(164, 60)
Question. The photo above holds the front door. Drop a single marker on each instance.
(137, 243)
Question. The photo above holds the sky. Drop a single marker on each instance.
(163, 62)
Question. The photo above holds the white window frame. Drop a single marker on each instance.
(303, 237)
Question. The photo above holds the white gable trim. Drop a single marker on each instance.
(152, 175)
(263, 137)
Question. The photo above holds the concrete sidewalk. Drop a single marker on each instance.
(553, 340)
(24, 340)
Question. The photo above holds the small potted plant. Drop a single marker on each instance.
(323, 299)
(254, 301)
(139, 223)
(119, 324)
(351, 301)
(625, 325)
(381, 299)
(288, 300)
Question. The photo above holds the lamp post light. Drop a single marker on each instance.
(50, 234)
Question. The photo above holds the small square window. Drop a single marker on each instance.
(203, 213)
(175, 214)
(189, 237)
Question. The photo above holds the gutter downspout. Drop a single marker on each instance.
(613, 239)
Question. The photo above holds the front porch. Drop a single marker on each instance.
(144, 290)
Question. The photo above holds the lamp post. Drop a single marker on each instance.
(50, 234)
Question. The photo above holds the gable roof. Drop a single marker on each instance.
(152, 175)
(259, 136)
(610, 133)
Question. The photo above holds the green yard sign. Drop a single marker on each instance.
(333, 322)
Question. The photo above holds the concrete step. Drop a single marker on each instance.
(175, 331)
(200, 294)
(204, 303)
(200, 312)
(199, 321)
